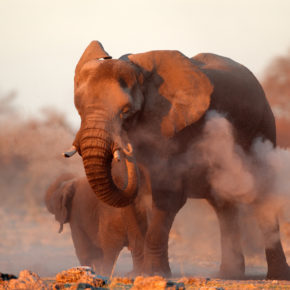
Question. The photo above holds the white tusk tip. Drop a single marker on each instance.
(117, 155)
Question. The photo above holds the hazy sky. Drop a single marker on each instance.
(41, 41)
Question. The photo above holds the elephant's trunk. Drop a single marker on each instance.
(96, 147)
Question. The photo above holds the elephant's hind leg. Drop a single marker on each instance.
(232, 258)
(278, 268)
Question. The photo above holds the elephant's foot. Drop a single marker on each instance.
(138, 270)
(162, 273)
(157, 269)
(231, 275)
(279, 273)
(133, 274)
(232, 272)
(278, 268)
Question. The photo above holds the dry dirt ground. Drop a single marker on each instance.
(85, 278)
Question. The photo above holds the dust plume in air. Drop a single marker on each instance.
(30, 159)
(258, 181)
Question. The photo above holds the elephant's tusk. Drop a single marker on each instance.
(70, 152)
(117, 155)
(128, 151)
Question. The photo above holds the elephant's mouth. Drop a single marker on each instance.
(98, 151)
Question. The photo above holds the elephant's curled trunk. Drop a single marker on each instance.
(96, 147)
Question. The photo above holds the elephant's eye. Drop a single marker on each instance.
(125, 112)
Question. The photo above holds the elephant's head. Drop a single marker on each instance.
(112, 95)
(58, 198)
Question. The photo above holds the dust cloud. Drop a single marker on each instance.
(243, 177)
(258, 181)
(30, 159)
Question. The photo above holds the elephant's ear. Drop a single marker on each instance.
(95, 50)
(183, 84)
(64, 198)
(59, 197)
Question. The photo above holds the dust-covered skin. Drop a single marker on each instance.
(158, 102)
(99, 231)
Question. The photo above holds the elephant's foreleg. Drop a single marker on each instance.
(87, 252)
(232, 258)
(136, 236)
(112, 239)
(109, 260)
(278, 268)
(156, 243)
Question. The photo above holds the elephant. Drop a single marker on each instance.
(99, 231)
(152, 107)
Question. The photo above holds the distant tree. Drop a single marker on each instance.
(276, 83)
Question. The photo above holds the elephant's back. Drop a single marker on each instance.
(239, 95)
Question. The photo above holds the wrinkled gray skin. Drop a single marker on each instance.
(157, 101)
(99, 231)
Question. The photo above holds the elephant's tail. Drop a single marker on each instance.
(58, 197)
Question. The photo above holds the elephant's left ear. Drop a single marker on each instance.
(182, 83)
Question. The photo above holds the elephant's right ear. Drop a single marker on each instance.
(95, 50)
(180, 82)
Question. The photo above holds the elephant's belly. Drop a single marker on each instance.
(196, 184)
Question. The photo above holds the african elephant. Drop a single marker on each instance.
(152, 106)
(99, 231)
